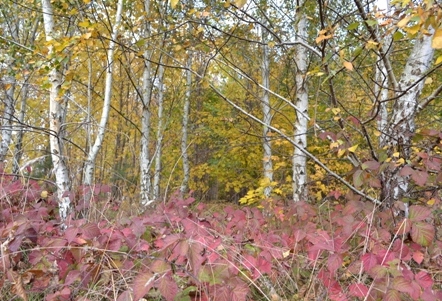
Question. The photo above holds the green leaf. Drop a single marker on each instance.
(353, 26)
(371, 22)
(397, 36)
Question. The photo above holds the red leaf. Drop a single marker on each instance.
(424, 279)
(369, 260)
(334, 262)
(406, 171)
(70, 234)
(90, 231)
(195, 256)
(240, 291)
(418, 213)
(422, 233)
(420, 177)
(406, 286)
(418, 256)
(143, 282)
(371, 165)
(168, 287)
(359, 290)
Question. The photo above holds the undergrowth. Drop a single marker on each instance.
(182, 251)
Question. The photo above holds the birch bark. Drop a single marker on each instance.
(145, 160)
(89, 166)
(9, 83)
(184, 131)
(267, 116)
(56, 117)
(397, 135)
(299, 160)
(158, 149)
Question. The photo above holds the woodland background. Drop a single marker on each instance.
(303, 138)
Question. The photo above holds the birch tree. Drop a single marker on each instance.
(89, 165)
(299, 160)
(185, 123)
(266, 112)
(11, 27)
(160, 133)
(56, 117)
(397, 135)
(145, 159)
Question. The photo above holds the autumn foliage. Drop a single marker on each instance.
(342, 249)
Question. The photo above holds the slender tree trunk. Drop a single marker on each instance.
(158, 151)
(89, 165)
(8, 113)
(184, 135)
(56, 117)
(397, 135)
(299, 160)
(9, 83)
(145, 160)
(267, 116)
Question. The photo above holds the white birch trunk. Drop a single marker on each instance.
(9, 83)
(158, 151)
(299, 160)
(89, 165)
(267, 117)
(398, 134)
(56, 117)
(145, 160)
(184, 130)
(8, 113)
(381, 85)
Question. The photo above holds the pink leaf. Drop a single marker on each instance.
(334, 262)
(392, 295)
(422, 233)
(420, 177)
(418, 256)
(419, 213)
(90, 231)
(240, 291)
(142, 284)
(358, 290)
(371, 165)
(168, 287)
(369, 260)
(424, 279)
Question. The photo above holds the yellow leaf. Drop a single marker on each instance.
(403, 22)
(86, 35)
(240, 3)
(438, 60)
(341, 152)
(396, 155)
(353, 148)
(336, 111)
(431, 202)
(348, 65)
(44, 194)
(173, 3)
(437, 39)
(84, 24)
(428, 81)
(400, 162)
(286, 253)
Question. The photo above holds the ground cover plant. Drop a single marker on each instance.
(342, 249)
